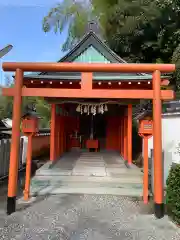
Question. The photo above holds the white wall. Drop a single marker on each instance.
(170, 140)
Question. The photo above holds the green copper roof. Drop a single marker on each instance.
(91, 55)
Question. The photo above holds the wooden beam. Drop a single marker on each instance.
(86, 81)
(87, 67)
(129, 134)
(78, 93)
(53, 133)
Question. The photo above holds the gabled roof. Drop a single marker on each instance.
(91, 49)
(91, 39)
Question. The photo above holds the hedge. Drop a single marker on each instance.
(173, 193)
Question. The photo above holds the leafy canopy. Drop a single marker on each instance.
(42, 107)
(75, 15)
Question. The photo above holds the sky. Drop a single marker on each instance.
(21, 26)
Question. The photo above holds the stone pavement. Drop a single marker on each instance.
(88, 173)
(101, 217)
(98, 164)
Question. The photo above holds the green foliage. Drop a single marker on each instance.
(146, 31)
(173, 193)
(42, 108)
(6, 107)
(71, 14)
(74, 15)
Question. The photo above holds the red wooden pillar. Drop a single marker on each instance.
(62, 132)
(145, 167)
(125, 138)
(57, 137)
(28, 169)
(157, 145)
(119, 135)
(65, 134)
(60, 135)
(122, 136)
(129, 137)
(15, 141)
(53, 133)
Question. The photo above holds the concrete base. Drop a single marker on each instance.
(22, 201)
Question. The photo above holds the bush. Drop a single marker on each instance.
(173, 193)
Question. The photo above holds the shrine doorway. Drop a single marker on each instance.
(93, 127)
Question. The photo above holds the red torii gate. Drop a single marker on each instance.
(87, 91)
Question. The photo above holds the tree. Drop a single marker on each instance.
(139, 30)
(42, 107)
(75, 15)
(146, 31)
(6, 105)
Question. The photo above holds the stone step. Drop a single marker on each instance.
(54, 172)
(100, 190)
(82, 179)
(59, 184)
(110, 172)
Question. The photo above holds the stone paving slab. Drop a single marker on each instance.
(91, 160)
(123, 170)
(85, 217)
(115, 165)
(90, 164)
(89, 173)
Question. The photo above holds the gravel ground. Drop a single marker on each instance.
(65, 217)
